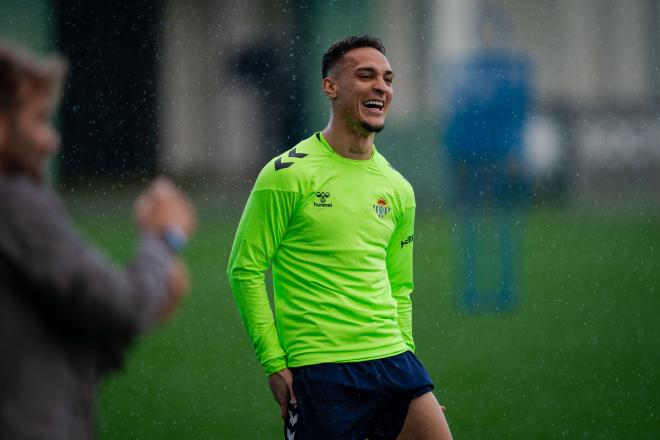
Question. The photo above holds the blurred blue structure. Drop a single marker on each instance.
(488, 104)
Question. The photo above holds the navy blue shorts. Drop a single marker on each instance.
(355, 400)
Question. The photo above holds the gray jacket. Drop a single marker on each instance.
(66, 314)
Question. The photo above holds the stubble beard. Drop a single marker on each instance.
(372, 128)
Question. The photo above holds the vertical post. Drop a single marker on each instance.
(653, 32)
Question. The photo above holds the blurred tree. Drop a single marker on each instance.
(109, 120)
(271, 73)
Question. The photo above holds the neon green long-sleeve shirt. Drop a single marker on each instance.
(339, 235)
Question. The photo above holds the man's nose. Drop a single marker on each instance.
(380, 86)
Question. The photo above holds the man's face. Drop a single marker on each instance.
(363, 89)
(28, 138)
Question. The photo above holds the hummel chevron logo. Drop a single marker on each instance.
(293, 153)
(290, 435)
(292, 419)
(280, 165)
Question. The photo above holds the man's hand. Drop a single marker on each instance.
(281, 385)
(161, 206)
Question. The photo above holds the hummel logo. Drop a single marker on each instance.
(323, 196)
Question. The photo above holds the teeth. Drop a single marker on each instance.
(378, 104)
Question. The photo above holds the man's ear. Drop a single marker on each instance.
(330, 87)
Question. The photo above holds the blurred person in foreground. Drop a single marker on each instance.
(66, 314)
(337, 222)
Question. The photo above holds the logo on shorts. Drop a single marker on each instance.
(322, 197)
(381, 208)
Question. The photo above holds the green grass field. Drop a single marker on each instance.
(579, 357)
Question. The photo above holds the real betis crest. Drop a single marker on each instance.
(381, 208)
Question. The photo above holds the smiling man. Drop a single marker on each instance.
(336, 222)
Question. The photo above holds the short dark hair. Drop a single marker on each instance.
(339, 49)
(18, 65)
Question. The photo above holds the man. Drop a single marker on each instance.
(66, 314)
(336, 221)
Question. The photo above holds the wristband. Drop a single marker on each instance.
(175, 238)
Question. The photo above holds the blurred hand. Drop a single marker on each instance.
(178, 285)
(281, 385)
(162, 205)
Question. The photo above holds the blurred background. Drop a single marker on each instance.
(530, 131)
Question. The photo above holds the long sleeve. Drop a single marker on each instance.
(400, 272)
(262, 226)
(70, 280)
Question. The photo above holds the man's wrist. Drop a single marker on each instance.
(175, 238)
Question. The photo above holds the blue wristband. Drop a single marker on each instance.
(175, 239)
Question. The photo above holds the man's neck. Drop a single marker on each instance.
(347, 142)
